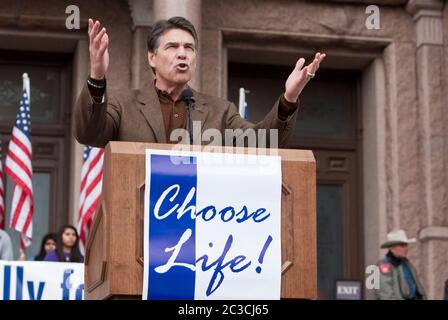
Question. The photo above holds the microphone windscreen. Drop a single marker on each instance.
(187, 95)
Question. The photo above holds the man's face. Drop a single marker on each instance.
(400, 250)
(174, 60)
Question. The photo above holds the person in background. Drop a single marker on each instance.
(5, 246)
(48, 244)
(67, 247)
(398, 277)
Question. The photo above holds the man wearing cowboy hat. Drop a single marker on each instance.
(398, 277)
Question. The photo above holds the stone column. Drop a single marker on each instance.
(81, 62)
(433, 234)
(191, 10)
(141, 15)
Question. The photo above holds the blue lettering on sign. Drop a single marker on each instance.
(79, 291)
(65, 285)
(171, 230)
(171, 201)
(40, 290)
(6, 282)
(19, 285)
(219, 265)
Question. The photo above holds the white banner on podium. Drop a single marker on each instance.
(212, 226)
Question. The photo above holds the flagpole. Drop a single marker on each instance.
(26, 85)
(242, 102)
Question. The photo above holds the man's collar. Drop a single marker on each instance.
(149, 104)
(163, 93)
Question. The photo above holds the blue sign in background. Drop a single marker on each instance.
(179, 282)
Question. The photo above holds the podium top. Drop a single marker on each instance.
(121, 147)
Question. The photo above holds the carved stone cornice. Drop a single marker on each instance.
(428, 16)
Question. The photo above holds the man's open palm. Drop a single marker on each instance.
(300, 76)
(98, 45)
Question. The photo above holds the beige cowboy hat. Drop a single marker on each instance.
(397, 237)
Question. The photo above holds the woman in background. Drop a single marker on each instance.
(48, 244)
(67, 248)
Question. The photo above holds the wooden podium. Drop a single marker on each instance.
(114, 253)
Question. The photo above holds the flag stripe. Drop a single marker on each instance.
(23, 221)
(17, 202)
(88, 215)
(17, 180)
(93, 185)
(29, 218)
(17, 159)
(23, 138)
(93, 182)
(91, 199)
(87, 222)
(92, 178)
(89, 173)
(90, 191)
(91, 166)
(20, 145)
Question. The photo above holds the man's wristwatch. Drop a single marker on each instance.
(98, 84)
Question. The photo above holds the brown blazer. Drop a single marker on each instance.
(135, 115)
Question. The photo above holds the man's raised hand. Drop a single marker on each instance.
(98, 48)
(300, 76)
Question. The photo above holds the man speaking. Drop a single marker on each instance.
(152, 114)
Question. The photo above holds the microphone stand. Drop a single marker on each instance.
(190, 104)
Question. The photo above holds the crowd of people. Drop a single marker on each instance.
(60, 247)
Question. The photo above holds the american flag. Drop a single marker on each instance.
(91, 183)
(19, 168)
(2, 193)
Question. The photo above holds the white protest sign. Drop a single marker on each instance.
(39, 280)
(212, 228)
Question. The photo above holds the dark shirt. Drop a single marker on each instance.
(174, 113)
(52, 256)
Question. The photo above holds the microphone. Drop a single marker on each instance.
(188, 97)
